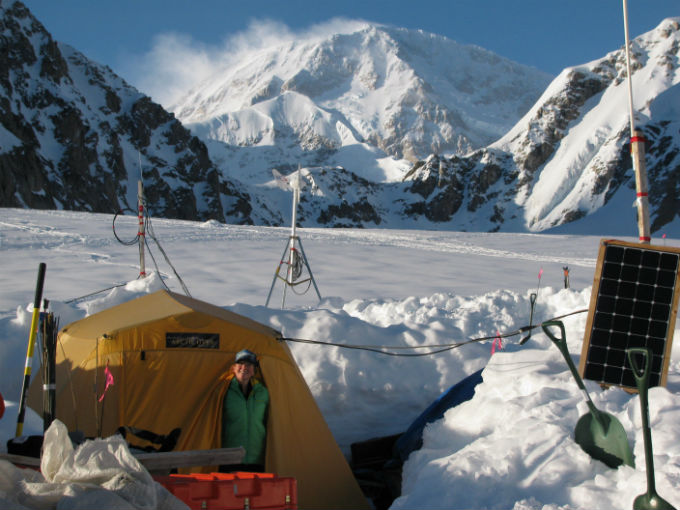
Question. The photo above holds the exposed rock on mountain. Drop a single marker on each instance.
(73, 135)
(569, 157)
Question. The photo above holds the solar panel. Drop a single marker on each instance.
(634, 303)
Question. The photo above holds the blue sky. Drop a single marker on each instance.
(128, 35)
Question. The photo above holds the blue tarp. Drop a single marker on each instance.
(412, 439)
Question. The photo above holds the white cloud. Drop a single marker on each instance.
(177, 62)
(174, 63)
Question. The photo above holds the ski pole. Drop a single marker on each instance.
(29, 351)
(48, 330)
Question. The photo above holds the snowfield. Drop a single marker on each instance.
(511, 446)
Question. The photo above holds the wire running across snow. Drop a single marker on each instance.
(435, 348)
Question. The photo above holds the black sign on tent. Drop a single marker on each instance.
(634, 303)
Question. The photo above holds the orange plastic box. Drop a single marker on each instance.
(231, 491)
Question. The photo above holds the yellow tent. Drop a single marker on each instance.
(166, 353)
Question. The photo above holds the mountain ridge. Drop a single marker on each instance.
(73, 135)
(405, 92)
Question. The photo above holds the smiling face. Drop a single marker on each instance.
(243, 372)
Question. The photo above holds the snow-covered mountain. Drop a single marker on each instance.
(408, 93)
(354, 109)
(568, 160)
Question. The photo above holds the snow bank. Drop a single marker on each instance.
(510, 446)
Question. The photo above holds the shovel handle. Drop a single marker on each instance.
(561, 343)
(558, 341)
(641, 373)
(532, 298)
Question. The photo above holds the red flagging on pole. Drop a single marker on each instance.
(637, 149)
(141, 230)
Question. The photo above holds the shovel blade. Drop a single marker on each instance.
(606, 441)
(651, 502)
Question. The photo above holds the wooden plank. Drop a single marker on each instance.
(21, 460)
(160, 461)
(593, 305)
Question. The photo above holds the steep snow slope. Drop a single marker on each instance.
(580, 176)
(568, 157)
(407, 92)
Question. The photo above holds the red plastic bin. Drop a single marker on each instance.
(232, 491)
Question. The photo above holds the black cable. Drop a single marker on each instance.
(152, 234)
(293, 285)
(440, 347)
(153, 259)
(131, 243)
(379, 348)
(126, 243)
(95, 293)
(296, 270)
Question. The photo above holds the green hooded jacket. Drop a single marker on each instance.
(244, 420)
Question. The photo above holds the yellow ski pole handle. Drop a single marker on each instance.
(29, 351)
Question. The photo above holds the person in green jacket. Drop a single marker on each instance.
(244, 413)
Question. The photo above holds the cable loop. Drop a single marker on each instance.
(126, 243)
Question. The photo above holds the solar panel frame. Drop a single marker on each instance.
(634, 303)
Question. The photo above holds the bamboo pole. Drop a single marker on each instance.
(141, 232)
(637, 149)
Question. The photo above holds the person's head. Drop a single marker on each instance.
(244, 366)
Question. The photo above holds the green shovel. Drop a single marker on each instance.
(598, 433)
(649, 500)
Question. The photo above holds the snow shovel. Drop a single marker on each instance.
(598, 433)
(532, 298)
(649, 500)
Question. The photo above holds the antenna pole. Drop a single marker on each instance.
(296, 258)
(631, 112)
(293, 233)
(293, 236)
(637, 149)
(141, 232)
(296, 200)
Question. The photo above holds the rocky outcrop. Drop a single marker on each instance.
(75, 135)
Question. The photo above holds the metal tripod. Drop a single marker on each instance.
(296, 256)
(294, 262)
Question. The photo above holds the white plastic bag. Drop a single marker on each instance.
(100, 473)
